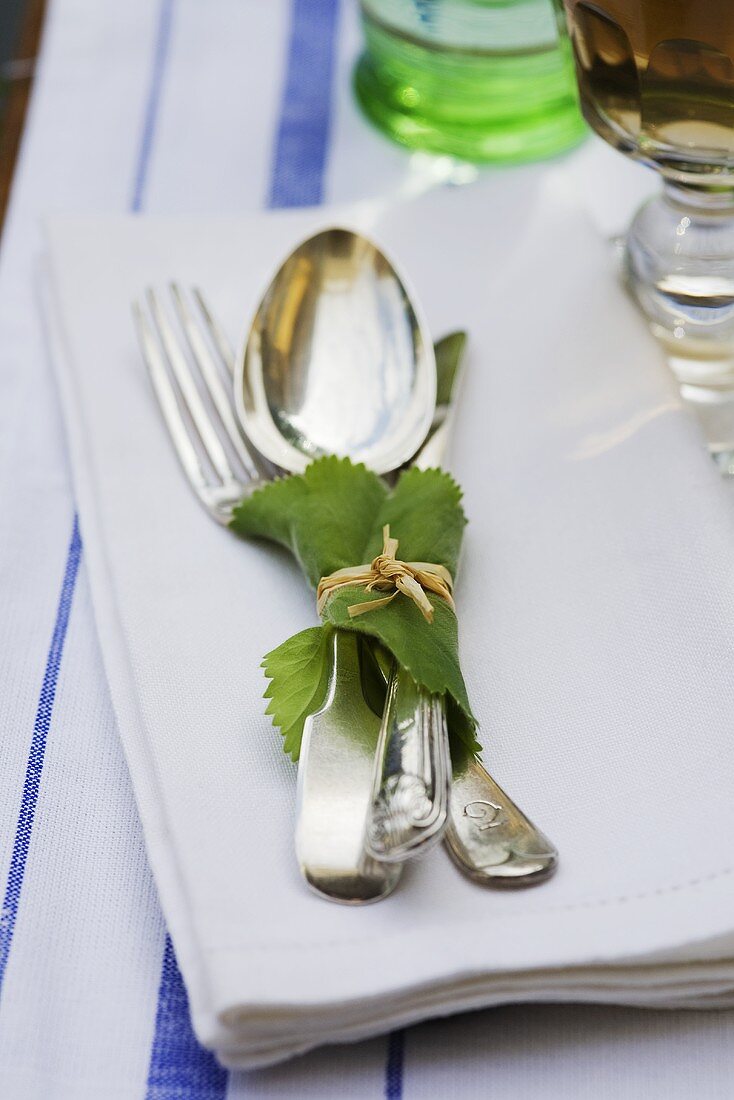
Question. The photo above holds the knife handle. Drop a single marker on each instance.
(489, 838)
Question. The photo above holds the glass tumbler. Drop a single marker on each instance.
(482, 80)
(656, 79)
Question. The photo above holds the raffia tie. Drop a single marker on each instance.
(386, 572)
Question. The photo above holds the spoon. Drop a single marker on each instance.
(289, 358)
(337, 361)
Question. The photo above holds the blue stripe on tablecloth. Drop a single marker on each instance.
(394, 1066)
(152, 103)
(34, 767)
(302, 140)
(180, 1069)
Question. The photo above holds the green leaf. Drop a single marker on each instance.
(449, 352)
(462, 728)
(325, 517)
(375, 671)
(429, 651)
(298, 672)
(425, 514)
(462, 735)
(331, 517)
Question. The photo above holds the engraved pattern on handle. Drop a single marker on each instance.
(488, 815)
(412, 772)
(402, 805)
(489, 838)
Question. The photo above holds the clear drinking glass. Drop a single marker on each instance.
(656, 79)
(483, 80)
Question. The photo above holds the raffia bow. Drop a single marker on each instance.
(385, 572)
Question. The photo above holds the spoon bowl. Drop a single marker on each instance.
(338, 359)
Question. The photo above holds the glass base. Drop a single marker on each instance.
(500, 110)
(679, 265)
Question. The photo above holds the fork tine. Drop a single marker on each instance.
(201, 418)
(203, 358)
(220, 341)
(165, 393)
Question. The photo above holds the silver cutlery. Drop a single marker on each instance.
(412, 777)
(231, 477)
(336, 763)
(334, 786)
(489, 838)
(339, 361)
(291, 385)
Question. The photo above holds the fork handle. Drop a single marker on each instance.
(412, 772)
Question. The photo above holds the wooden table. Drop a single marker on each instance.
(14, 103)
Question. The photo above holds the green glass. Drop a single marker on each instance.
(483, 80)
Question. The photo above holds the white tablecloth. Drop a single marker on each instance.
(167, 106)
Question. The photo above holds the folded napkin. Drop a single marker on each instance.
(596, 602)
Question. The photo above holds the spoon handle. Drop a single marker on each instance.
(335, 785)
(410, 796)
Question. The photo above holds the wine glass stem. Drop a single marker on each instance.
(679, 263)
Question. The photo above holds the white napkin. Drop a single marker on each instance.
(596, 603)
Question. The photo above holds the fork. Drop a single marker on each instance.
(339, 742)
(220, 495)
